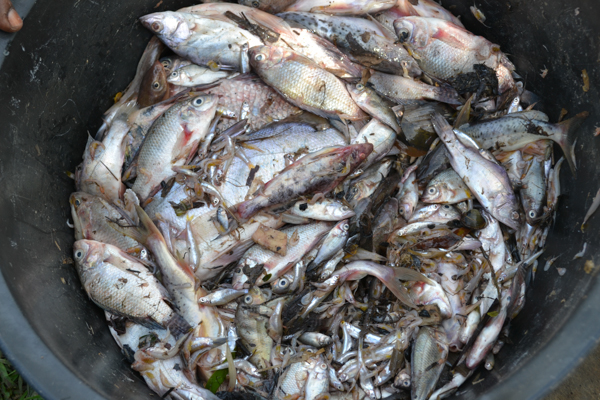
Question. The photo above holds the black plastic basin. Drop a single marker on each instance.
(60, 73)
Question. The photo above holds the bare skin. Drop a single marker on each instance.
(10, 21)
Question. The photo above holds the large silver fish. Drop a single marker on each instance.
(171, 141)
(303, 83)
(486, 179)
(120, 284)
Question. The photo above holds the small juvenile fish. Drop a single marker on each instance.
(222, 297)
(195, 75)
(323, 210)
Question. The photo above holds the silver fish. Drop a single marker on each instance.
(171, 140)
(429, 354)
(487, 180)
(120, 284)
(204, 41)
(514, 131)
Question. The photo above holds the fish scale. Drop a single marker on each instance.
(170, 141)
(303, 83)
(265, 105)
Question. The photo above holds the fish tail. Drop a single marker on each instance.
(566, 137)
(441, 126)
(178, 325)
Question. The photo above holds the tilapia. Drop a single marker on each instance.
(428, 357)
(445, 50)
(120, 284)
(154, 87)
(171, 141)
(317, 172)
(264, 105)
(304, 83)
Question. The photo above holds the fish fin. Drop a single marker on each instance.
(566, 139)
(441, 126)
(178, 325)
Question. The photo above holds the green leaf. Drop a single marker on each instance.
(216, 379)
(267, 277)
(493, 314)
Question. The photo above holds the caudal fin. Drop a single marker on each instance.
(566, 137)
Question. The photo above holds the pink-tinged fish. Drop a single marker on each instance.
(444, 50)
(317, 172)
(171, 140)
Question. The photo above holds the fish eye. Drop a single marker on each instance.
(77, 202)
(248, 299)
(345, 227)
(156, 85)
(157, 26)
(259, 57)
(401, 211)
(360, 86)
(143, 253)
(323, 366)
(174, 74)
(515, 215)
(166, 63)
(531, 214)
(345, 209)
(283, 282)
(255, 4)
(446, 207)
(198, 101)
(403, 35)
(240, 270)
(78, 255)
(432, 190)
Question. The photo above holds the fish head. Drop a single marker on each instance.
(265, 57)
(154, 87)
(505, 209)
(449, 213)
(412, 32)
(171, 27)
(406, 209)
(341, 211)
(250, 3)
(354, 155)
(80, 212)
(86, 253)
(357, 91)
(199, 108)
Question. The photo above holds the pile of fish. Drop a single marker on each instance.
(311, 199)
